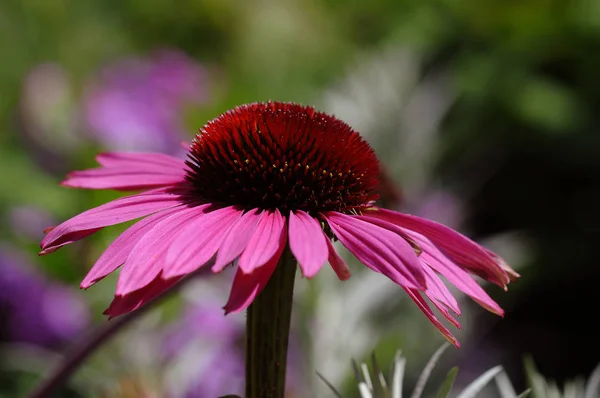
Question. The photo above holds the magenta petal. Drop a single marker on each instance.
(147, 258)
(265, 242)
(379, 249)
(130, 171)
(132, 301)
(337, 263)
(115, 212)
(444, 310)
(67, 239)
(423, 306)
(116, 254)
(438, 292)
(307, 242)
(246, 286)
(121, 180)
(140, 161)
(237, 239)
(455, 275)
(197, 243)
(457, 247)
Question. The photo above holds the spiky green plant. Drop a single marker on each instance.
(372, 383)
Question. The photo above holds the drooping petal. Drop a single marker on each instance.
(455, 275)
(116, 253)
(121, 180)
(197, 243)
(123, 304)
(236, 240)
(265, 242)
(307, 243)
(444, 310)
(337, 263)
(423, 306)
(438, 292)
(147, 258)
(379, 249)
(246, 286)
(456, 246)
(118, 211)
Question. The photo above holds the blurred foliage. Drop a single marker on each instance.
(518, 144)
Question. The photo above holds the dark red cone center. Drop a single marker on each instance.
(282, 156)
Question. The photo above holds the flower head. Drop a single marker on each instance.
(259, 178)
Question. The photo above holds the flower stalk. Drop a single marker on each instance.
(267, 333)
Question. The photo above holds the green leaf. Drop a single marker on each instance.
(479, 383)
(427, 371)
(379, 385)
(447, 384)
(536, 381)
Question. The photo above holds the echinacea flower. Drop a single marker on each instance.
(258, 179)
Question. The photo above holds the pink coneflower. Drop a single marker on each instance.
(258, 179)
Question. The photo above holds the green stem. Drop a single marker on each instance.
(267, 333)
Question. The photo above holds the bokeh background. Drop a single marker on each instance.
(484, 114)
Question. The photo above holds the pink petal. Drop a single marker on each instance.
(246, 286)
(455, 275)
(132, 301)
(121, 180)
(307, 242)
(140, 160)
(197, 243)
(422, 304)
(444, 310)
(457, 247)
(236, 240)
(116, 254)
(265, 242)
(379, 249)
(115, 212)
(147, 258)
(70, 238)
(438, 292)
(337, 263)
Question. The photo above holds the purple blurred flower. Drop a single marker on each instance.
(210, 349)
(209, 345)
(34, 309)
(137, 103)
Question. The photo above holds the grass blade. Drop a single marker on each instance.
(331, 387)
(398, 375)
(427, 371)
(479, 383)
(379, 384)
(505, 386)
(447, 384)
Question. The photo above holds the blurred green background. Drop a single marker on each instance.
(483, 112)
